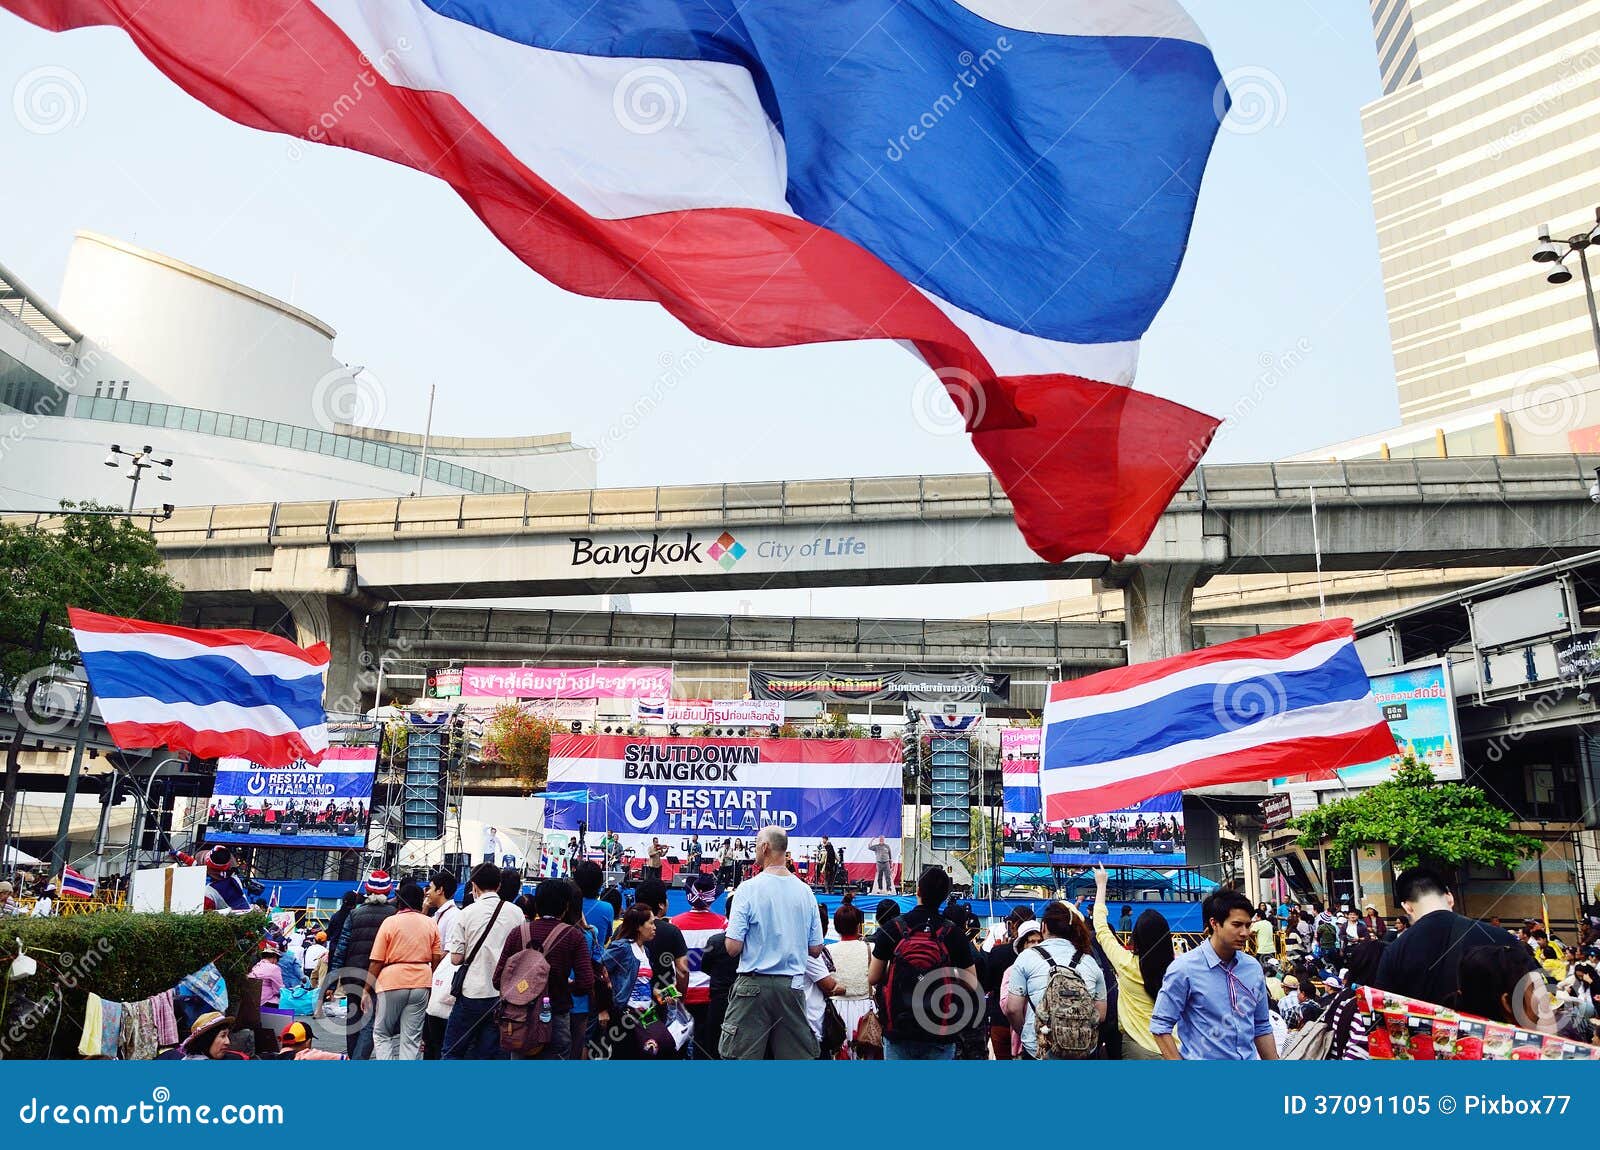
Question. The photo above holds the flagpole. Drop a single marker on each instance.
(58, 855)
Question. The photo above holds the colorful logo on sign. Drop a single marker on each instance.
(726, 551)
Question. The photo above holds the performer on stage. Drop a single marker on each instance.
(830, 865)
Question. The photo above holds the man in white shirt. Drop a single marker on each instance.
(476, 940)
(439, 901)
(491, 845)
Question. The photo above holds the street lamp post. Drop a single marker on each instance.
(138, 463)
(1554, 251)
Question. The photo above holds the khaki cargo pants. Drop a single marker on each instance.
(766, 1019)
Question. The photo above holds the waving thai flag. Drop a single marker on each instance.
(76, 885)
(211, 693)
(1005, 185)
(1288, 702)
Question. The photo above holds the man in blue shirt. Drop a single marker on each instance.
(1214, 998)
(775, 926)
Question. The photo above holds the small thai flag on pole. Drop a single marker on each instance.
(75, 885)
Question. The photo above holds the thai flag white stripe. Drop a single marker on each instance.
(1327, 720)
(210, 717)
(1160, 18)
(1222, 672)
(253, 661)
(1018, 353)
(566, 116)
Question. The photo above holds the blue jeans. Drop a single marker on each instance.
(907, 1049)
(465, 1038)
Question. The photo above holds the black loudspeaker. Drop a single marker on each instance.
(1162, 847)
(459, 865)
(680, 881)
(1099, 848)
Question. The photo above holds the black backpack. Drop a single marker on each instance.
(920, 984)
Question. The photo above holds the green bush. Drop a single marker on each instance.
(117, 955)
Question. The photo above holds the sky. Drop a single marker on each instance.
(1277, 322)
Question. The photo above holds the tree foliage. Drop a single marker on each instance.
(99, 562)
(519, 739)
(1421, 821)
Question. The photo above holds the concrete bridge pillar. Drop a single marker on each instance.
(1159, 602)
(327, 606)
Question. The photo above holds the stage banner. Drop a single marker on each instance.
(828, 685)
(566, 682)
(1149, 834)
(323, 807)
(709, 712)
(673, 789)
(1419, 705)
(1019, 767)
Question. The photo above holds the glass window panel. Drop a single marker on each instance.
(191, 419)
(208, 422)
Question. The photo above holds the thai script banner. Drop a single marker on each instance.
(829, 685)
(709, 712)
(566, 682)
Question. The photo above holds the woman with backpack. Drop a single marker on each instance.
(535, 1020)
(1058, 989)
(1139, 969)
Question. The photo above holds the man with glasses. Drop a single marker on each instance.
(1214, 1000)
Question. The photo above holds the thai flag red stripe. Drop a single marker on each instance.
(730, 274)
(1246, 766)
(315, 656)
(272, 750)
(1274, 645)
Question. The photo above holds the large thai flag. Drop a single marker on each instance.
(1005, 185)
(1289, 702)
(211, 693)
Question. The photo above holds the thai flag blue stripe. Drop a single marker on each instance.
(1103, 156)
(202, 681)
(1200, 712)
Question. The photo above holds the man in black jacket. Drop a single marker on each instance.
(354, 955)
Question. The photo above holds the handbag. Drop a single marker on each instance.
(833, 1032)
(459, 980)
(868, 1040)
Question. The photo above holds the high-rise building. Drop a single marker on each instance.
(1489, 127)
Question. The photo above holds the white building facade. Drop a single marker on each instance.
(242, 391)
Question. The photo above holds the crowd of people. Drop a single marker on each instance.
(415, 970)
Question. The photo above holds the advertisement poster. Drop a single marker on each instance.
(566, 682)
(1419, 704)
(674, 789)
(829, 685)
(327, 806)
